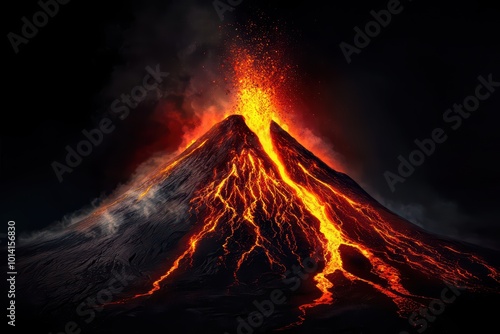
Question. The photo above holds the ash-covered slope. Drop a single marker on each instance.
(371, 230)
(133, 232)
(226, 216)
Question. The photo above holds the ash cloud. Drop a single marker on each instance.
(185, 39)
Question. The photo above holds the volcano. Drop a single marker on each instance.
(248, 231)
(245, 213)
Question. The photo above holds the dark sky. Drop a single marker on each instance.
(369, 111)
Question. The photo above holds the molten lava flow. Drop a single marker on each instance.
(261, 206)
(258, 108)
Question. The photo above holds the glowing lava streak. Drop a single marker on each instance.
(256, 105)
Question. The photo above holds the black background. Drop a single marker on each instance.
(370, 111)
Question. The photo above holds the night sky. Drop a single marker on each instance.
(369, 111)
